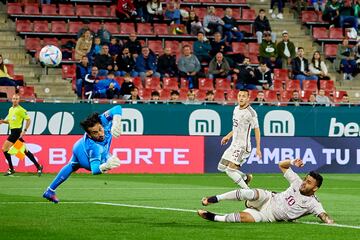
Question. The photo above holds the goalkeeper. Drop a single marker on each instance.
(92, 150)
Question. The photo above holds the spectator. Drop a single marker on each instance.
(5, 78)
(331, 12)
(285, 50)
(189, 67)
(125, 10)
(114, 47)
(154, 9)
(95, 49)
(107, 88)
(193, 24)
(213, 23)
(260, 98)
(104, 34)
(155, 98)
(202, 48)
(82, 69)
(321, 98)
(245, 75)
(172, 13)
(83, 45)
(345, 99)
(263, 80)
(219, 45)
(268, 52)
(125, 64)
(230, 28)
(318, 67)
(174, 97)
(133, 45)
(344, 61)
(191, 98)
(219, 67)
(146, 64)
(90, 81)
(210, 97)
(312, 99)
(141, 10)
(300, 68)
(126, 87)
(134, 96)
(280, 9)
(319, 5)
(346, 12)
(295, 98)
(104, 61)
(262, 25)
(167, 64)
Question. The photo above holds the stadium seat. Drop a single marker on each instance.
(327, 85)
(222, 1)
(66, 10)
(119, 80)
(165, 94)
(335, 33)
(305, 95)
(100, 11)
(320, 33)
(238, 1)
(246, 28)
(248, 14)
(32, 44)
(74, 27)
(51, 41)
(155, 46)
(144, 29)
(330, 50)
(340, 94)
(14, 9)
(253, 58)
(27, 92)
(200, 12)
(240, 47)
(281, 74)
(200, 94)
(161, 29)
(231, 96)
(10, 69)
(286, 95)
(68, 71)
(206, 84)
(152, 83)
(253, 94)
(183, 94)
(270, 95)
(293, 85)
(94, 26)
(58, 27)
(112, 10)
(309, 16)
(278, 85)
(145, 93)
(309, 85)
(23, 26)
(31, 9)
(127, 28)
(9, 91)
(254, 48)
(112, 27)
(49, 9)
(138, 82)
(174, 45)
(184, 83)
(219, 95)
(236, 13)
(222, 84)
(189, 43)
(220, 12)
(83, 10)
(170, 83)
(41, 26)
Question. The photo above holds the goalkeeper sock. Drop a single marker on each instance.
(8, 158)
(64, 174)
(239, 194)
(32, 158)
(237, 176)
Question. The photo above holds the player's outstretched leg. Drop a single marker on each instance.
(239, 195)
(209, 200)
(231, 217)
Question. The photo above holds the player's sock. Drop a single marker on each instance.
(239, 194)
(231, 217)
(237, 176)
(32, 158)
(64, 173)
(8, 158)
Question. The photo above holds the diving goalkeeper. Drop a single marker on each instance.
(92, 150)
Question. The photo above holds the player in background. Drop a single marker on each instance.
(15, 119)
(265, 206)
(244, 119)
(92, 150)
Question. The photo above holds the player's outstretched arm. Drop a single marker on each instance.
(285, 164)
(258, 145)
(114, 114)
(226, 139)
(111, 162)
(325, 218)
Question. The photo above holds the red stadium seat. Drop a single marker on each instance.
(138, 82)
(240, 47)
(309, 16)
(253, 58)
(219, 95)
(23, 26)
(310, 85)
(68, 71)
(281, 74)
(236, 13)
(161, 29)
(231, 96)
(144, 29)
(32, 44)
(119, 80)
(152, 83)
(222, 84)
(246, 28)
(51, 41)
(14, 9)
(145, 93)
(100, 11)
(327, 85)
(200, 12)
(320, 33)
(10, 91)
(27, 92)
(270, 96)
(248, 14)
(330, 50)
(206, 84)
(41, 26)
(253, 94)
(31, 9)
(58, 27)
(94, 26)
(155, 46)
(293, 85)
(174, 45)
(238, 1)
(305, 95)
(83, 10)
(254, 48)
(170, 83)
(164, 94)
(286, 95)
(66, 10)
(74, 27)
(127, 28)
(113, 10)
(49, 9)
(184, 83)
(200, 94)
(335, 33)
(340, 94)
(278, 85)
(112, 27)
(222, 1)
(10, 69)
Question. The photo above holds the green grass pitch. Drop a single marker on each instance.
(24, 214)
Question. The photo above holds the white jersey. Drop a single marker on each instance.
(291, 204)
(243, 121)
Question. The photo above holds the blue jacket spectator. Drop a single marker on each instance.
(82, 69)
(146, 64)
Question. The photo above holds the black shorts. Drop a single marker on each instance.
(15, 135)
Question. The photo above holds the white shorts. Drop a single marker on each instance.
(260, 209)
(236, 155)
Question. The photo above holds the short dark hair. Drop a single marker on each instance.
(317, 177)
(261, 10)
(300, 48)
(90, 121)
(245, 90)
(262, 63)
(174, 92)
(155, 93)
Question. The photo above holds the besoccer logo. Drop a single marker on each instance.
(204, 122)
(132, 122)
(279, 123)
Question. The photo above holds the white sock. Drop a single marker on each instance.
(237, 176)
(231, 217)
(239, 194)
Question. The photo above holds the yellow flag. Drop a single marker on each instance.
(18, 149)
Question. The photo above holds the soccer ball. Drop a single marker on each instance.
(50, 56)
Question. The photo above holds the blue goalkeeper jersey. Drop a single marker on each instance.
(89, 154)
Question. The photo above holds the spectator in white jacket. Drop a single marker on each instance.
(318, 67)
(154, 8)
(213, 23)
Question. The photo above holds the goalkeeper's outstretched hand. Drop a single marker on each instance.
(116, 126)
(111, 162)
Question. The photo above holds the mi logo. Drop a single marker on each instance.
(204, 122)
(132, 122)
(279, 123)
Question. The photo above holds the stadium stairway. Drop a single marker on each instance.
(50, 85)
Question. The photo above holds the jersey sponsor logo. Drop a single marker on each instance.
(204, 122)
(132, 122)
(279, 123)
(339, 129)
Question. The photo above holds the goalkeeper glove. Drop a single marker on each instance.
(111, 162)
(116, 126)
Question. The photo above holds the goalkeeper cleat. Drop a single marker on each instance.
(209, 200)
(9, 172)
(39, 171)
(51, 196)
(206, 215)
(249, 177)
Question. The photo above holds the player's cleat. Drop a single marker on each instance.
(209, 200)
(249, 177)
(206, 215)
(51, 196)
(9, 172)
(39, 171)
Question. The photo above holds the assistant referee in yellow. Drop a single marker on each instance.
(15, 119)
